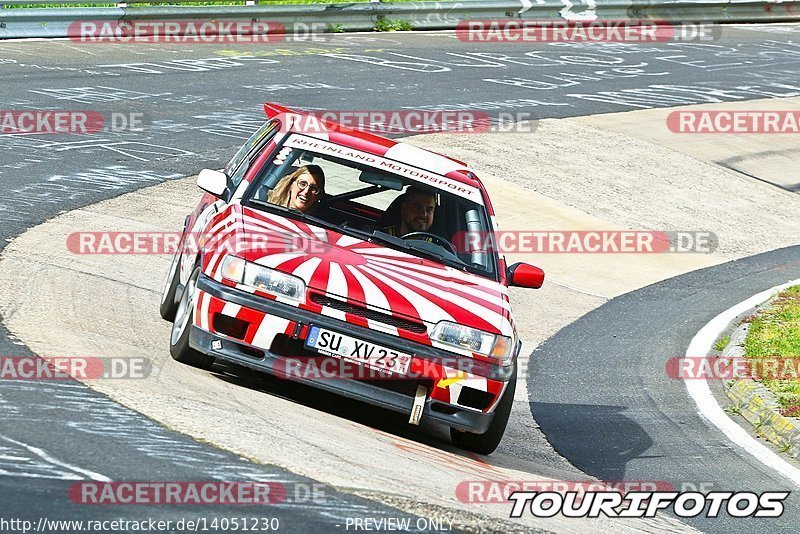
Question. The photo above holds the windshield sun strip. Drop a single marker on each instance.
(458, 188)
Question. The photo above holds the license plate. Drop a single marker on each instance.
(363, 352)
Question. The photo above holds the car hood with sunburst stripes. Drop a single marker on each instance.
(370, 274)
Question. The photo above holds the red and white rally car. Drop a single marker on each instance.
(411, 323)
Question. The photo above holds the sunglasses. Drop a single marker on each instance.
(302, 184)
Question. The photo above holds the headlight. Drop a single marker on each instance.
(263, 278)
(233, 269)
(474, 340)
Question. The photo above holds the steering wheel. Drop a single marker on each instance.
(437, 239)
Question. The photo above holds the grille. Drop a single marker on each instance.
(372, 315)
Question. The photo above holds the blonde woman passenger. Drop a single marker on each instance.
(300, 190)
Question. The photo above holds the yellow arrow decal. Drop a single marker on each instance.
(445, 383)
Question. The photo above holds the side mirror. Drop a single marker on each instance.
(214, 182)
(524, 275)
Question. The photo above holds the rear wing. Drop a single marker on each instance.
(273, 109)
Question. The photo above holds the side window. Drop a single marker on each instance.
(238, 166)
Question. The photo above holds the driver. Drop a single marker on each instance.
(416, 212)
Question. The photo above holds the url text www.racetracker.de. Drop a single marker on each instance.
(185, 524)
(216, 524)
(648, 503)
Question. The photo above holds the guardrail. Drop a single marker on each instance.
(110, 3)
(55, 22)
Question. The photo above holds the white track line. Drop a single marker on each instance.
(49, 459)
(706, 404)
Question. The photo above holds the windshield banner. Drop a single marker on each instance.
(435, 181)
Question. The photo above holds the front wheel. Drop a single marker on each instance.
(487, 442)
(179, 347)
(168, 306)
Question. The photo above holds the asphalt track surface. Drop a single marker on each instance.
(71, 424)
(199, 102)
(600, 392)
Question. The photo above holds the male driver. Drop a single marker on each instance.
(416, 212)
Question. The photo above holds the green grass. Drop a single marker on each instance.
(40, 6)
(775, 333)
(722, 343)
(733, 410)
(386, 25)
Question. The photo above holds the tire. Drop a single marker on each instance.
(168, 305)
(179, 347)
(487, 442)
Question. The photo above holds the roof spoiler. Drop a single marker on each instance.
(273, 109)
(464, 170)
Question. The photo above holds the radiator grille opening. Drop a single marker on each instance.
(372, 315)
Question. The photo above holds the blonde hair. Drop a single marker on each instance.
(282, 192)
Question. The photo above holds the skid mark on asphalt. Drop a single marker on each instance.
(81, 409)
(21, 459)
(21, 202)
(93, 95)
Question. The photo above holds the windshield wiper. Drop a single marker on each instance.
(376, 235)
(295, 214)
(382, 237)
(451, 261)
(407, 246)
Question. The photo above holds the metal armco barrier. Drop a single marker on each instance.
(54, 22)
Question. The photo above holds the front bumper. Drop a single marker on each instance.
(371, 392)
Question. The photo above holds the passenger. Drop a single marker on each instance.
(301, 189)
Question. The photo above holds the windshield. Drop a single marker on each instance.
(376, 199)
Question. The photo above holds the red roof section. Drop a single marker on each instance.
(372, 143)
